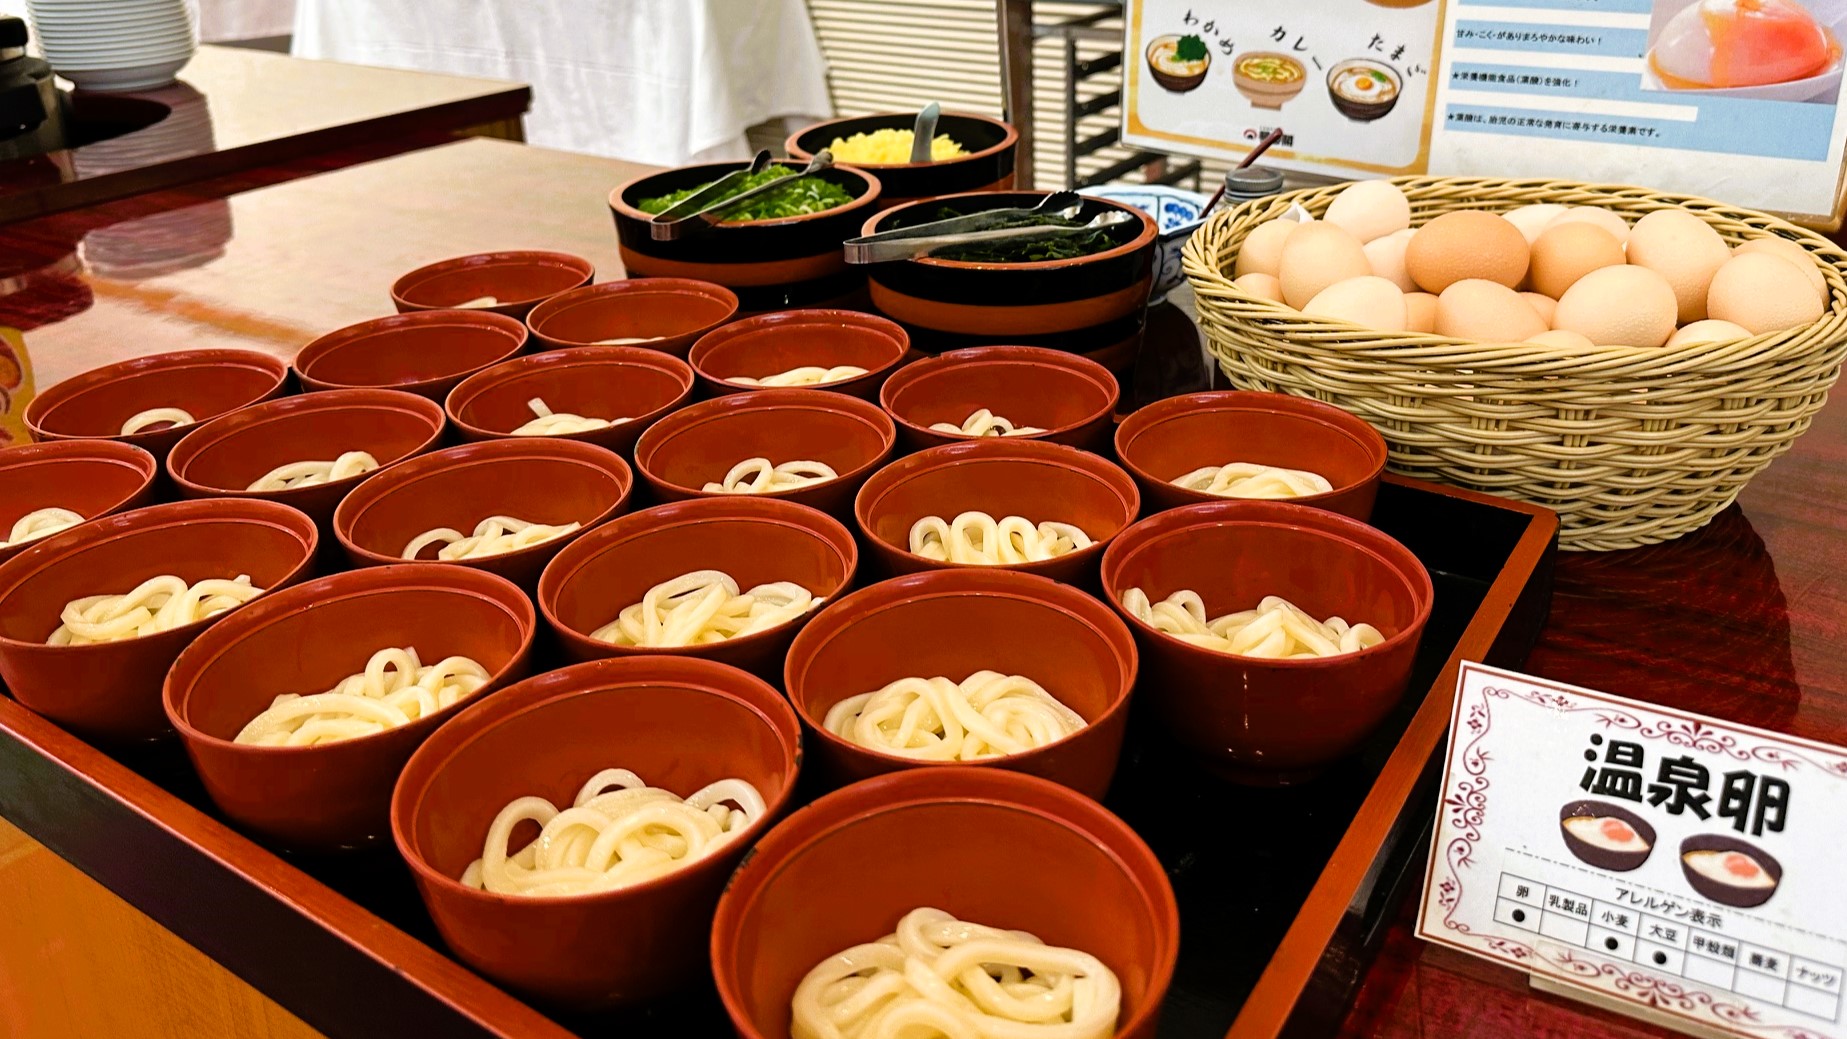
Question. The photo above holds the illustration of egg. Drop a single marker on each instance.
(1729, 871)
(1606, 836)
(1606, 833)
(1741, 43)
(1734, 868)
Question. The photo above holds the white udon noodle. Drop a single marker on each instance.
(310, 474)
(759, 476)
(141, 420)
(942, 977)
(493, 536)
(611, 838)
(156, 604)
(396, 688)
(1276, 629)
(976, 537)
(986, 715)
(40, 523)
(702, 607)
(809, 375)
(984, 423)
(1250, 480)
(549, 423)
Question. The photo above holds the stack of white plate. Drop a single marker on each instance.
(114, 44)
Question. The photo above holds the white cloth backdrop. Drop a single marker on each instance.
(657, 81)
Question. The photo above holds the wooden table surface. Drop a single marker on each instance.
(236, 109)
(1746, 619)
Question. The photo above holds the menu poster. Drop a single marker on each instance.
(1348, 81)
(1731, 99)
(1680, 867)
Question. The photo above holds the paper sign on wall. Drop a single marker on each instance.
(1680, 865)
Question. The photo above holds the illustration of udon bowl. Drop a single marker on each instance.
(1173, 72)
(1605, 835)
(1268, 78)
(1363, 89)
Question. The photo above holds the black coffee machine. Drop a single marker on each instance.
(32, 112)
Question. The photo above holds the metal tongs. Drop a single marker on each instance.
(907, 243)
(701, 210)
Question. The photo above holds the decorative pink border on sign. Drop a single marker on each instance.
(1466, 805)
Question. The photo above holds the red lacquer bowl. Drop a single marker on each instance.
(684, 451)
(671, 313)
(305, 640)
(755, 540)
(427, 353)
(89, 477)
(595, 381)
(770, 344)
(203, 383)
(1071, 398)
(954, 623)
(518, 280)
(1271, 720)
(1173, 437)
(110, 691)
(990, 847)
(536, 479)
(1001, 477)
(679, 725)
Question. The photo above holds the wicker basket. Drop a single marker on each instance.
(1629, 445)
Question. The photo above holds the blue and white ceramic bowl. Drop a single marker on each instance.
(1178, 214)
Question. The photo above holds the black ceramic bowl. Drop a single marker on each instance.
(986, 165)
(1735, 895)
(945, 303)
(1605, 858)
(770, 264)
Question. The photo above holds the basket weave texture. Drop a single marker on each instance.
(1629, 445)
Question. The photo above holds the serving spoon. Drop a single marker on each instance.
(923, 133)
(703, 208)
(915, 246)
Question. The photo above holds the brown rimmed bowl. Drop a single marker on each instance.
(771, 344)
(1260, 720)
(89, 477)
(1730, 894)
(518, 280)
(1605, 858)
(1178, 83)
(426, 353)
(1001, 476)
(989, 147)
(953, 623)
(670, 313)
(986, 846)
(601, 381)
(1263, 93)
(1173, 437)
(204, 383)
(1072, 398)
(755, 540)
(770, 264)
(221, 458)
(110, 692)
(336, 795)
(1006, 301)
(536, 479)
(679, 724)
(682, 452)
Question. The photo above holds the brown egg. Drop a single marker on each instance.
(1369, 301)
(1262, 251)
(1795, 254)
(1370, 209)
(1597, 215)
(1683, 249)
(1762, 292)
(1566, 252)
(1562, 338)
(1533, 219)
(1463, 245)
(1263, 286)
(1487, 312)
(1420, 310)
(1708, 331)
(1387, 258)
(1623, 305)
(1543, 305)
(1318, 255)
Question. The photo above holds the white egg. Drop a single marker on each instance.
(1387, 258)
(1370, 209)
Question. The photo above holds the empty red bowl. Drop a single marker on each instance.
(426, 353)
(684, 451)
(89, 477)
(518, 281)
(536, 479)
(1071, 398)
(202, 383)
(1173, 437)
(305, 640)
(771, 344)
(953, 623)
(679, 725)
(989, 847)
(755, 540)
(111, 691)
(223, 457)
(594, 381)
(1259, 719)
(1001, 476)
(670, 314)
